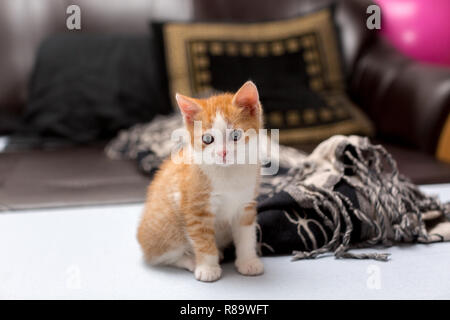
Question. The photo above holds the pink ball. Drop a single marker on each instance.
(418, 28)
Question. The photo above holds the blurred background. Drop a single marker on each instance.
(64, 94)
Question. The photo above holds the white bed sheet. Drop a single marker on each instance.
(92, 253)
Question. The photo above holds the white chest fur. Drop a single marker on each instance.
(232, 188)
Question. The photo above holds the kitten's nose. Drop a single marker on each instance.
(222, 153)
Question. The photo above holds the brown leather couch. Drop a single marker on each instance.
(407, 101)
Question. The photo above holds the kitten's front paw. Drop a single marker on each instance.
(250, 267)
(208, 273)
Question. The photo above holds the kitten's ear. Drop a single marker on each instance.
(188, 107)
(247, 97)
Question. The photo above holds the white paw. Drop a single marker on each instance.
(208, 273)
(250, 267)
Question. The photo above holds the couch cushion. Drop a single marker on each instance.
(420, 167)
(74, 176)
(296, 64)
(67, 177)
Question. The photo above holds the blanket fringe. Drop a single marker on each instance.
(298, 255)
(398, 204)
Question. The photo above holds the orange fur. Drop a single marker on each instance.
(249, 214)
(178, 211)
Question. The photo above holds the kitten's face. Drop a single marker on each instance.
(223, 128)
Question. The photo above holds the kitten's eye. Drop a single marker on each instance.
(207, 138)
(235, 135)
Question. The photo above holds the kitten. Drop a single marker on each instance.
(193, 211)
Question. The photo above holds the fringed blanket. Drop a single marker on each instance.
(346, 194)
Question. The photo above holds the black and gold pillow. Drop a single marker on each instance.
(295, 63)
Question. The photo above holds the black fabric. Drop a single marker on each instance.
(86, 87)
(285, 90)
(278, 235)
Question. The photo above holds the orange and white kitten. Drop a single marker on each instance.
(193, 211)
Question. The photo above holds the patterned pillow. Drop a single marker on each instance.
(295, 63)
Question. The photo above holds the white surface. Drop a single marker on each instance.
(92, 253)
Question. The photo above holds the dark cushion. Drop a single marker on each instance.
(87, 87)
(295, 63)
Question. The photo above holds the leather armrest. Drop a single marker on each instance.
(407, 100)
